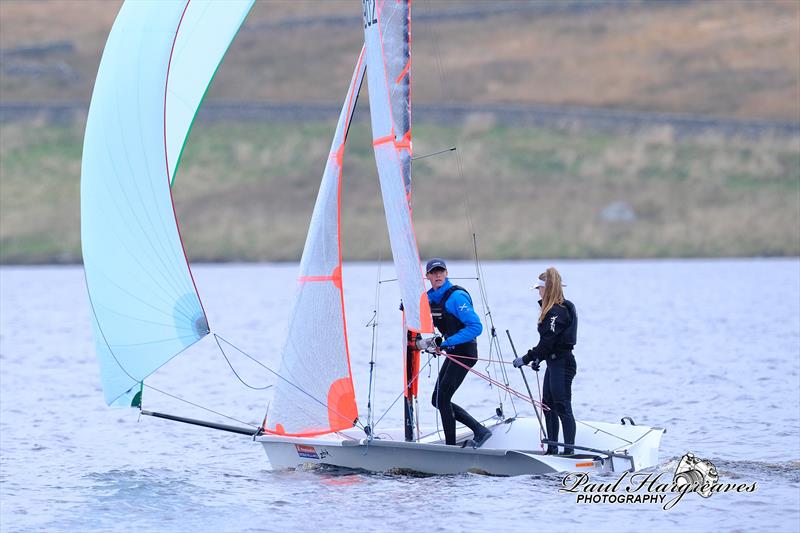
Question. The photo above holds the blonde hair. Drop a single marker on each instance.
(553, 294)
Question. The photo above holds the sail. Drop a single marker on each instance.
(206, 31)
(159, 59)
(315, 394)
(387, 35)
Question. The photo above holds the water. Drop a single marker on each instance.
(708, 349)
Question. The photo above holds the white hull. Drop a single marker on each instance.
(512, 450)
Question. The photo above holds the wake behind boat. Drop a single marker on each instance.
(146, 308)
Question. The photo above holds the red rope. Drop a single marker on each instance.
(479, 359)
(513, 392)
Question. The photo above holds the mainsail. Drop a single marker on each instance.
(387, 37)
(315, 394)
(158, 62)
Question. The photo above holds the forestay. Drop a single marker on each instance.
(387, 37)
(315, 394)
(159, 59)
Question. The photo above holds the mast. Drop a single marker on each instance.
(411, 365)
(387, 36)
(410, 372)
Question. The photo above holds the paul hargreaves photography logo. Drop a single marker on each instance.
(691, 475)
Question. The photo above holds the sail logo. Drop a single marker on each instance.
(305, 451)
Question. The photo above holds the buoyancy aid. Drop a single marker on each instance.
(447, 323)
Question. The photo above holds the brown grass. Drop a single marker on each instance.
(729, 58)
(245, 192)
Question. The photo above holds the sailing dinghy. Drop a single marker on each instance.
(158, 62)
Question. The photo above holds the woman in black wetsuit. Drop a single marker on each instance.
(558, 328)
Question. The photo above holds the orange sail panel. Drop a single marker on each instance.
(387, 36)
(314, 393)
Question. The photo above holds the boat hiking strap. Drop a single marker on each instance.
(609, 453)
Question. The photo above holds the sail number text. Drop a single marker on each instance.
(369, 13)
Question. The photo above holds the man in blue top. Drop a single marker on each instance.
(453, 316)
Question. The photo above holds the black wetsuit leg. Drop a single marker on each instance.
(557, 395)
(550, 416)
(451, 375)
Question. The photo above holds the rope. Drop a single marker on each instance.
(480, 359)
(446, 95)
(401, 394)
(222, 351)
(374, 323)
(356, 422)
(511, 391)
(201, 407)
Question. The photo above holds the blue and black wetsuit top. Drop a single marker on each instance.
(453, 315)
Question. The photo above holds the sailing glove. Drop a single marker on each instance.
(518, 362)
(429, 345)
(535, 362)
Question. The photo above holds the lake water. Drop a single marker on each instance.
(709, 349)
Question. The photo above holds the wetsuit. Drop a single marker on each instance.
(453, 316)
(557, 336)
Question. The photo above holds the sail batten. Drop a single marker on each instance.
(158, 61)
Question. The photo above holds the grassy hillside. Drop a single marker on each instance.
(732, 58)
(245, 192)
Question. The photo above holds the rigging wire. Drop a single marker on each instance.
(510, 390)
(402, 393)
(494, 343)
(299, 388)
(184, 400)
(374, 323)
(219, 338)
(455, 358)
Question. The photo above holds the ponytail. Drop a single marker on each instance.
(553, 294)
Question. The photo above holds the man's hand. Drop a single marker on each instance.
(430, 345)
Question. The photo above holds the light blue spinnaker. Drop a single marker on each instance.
(158, 62)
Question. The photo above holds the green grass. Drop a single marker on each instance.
(246, 191)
